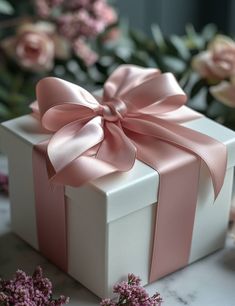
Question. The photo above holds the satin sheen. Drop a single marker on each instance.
(139, 116)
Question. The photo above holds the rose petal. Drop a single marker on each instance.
(224, 92)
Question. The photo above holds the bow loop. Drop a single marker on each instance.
(125, 78)
(61, 102)
(73, 140)
(157, 95)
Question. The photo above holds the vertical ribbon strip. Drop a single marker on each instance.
(50, 211)
(177, 201)
(139, 116)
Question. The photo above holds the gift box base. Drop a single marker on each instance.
(107, 237)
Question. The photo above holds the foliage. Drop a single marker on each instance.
(81, 62)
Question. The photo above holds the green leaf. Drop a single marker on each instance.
(230, 119)
(140, 39)
(180, 47)
(209, 98)
(3, 93)
(17, 99)
(140, 58)
(122, 55)
(6, 8)
(185, 78)
(216, 110)
(94, 74)
(197, 88)
(173, 64)
(4, 112)
(209, 31)
(194, 39)
(158, 36)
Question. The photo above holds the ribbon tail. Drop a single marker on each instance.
(203, 146)
(212, 152)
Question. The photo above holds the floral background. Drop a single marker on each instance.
(51, 37)
(83, 41)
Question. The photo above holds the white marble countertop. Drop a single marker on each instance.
(208, 282)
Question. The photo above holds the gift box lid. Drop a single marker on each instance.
(138, 186)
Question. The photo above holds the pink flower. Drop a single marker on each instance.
(35, 51)
(131, 293)
(133, 279)
(35, 46)
(225, 92)
(105, 12)
(218, 61)
(83, 51)
(76, 4)
(107, 302)
(85, 18)
(80, 24)
(111, 35)
(44, 7)
(80, 21)
(27, 290)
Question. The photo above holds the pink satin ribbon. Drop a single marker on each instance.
(139, 116)
(50, 210)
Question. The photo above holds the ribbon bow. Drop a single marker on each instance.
(140, 110)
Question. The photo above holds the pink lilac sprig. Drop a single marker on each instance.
(131, 293)
(3, 183)
(78, 18)
(24, 290)
(79, 22)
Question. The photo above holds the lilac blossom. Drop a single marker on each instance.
(44, 7)
(24, 290)
(79, 22)
(131, 293)
(83, 50)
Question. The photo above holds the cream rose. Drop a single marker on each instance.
(225, 92)
(35, 46)
(218, 61)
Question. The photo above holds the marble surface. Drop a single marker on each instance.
(208, 282)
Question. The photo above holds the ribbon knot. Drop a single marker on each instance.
(113, 110)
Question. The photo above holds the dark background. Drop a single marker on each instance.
(173, 15)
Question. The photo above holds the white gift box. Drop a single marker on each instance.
(110, 221)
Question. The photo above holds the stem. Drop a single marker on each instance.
(121, 301)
